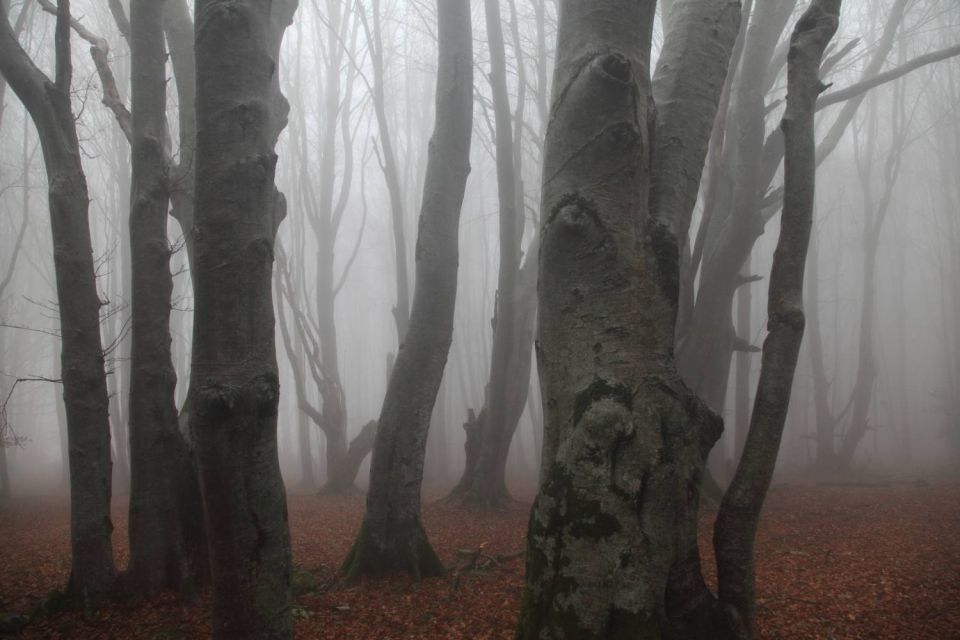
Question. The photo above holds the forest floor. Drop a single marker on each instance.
(844, 562)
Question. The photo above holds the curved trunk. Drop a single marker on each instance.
(739, 513)
(391, 535)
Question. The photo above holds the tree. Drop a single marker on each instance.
(490, 434)
(234, 385)
(741, 197)
(166, 535)
(624, 439)
(391, 535)
(388, 163)
(324, 208)
(739, 513)
(84, 383)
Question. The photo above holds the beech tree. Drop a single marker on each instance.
(167, 546)
(391, 535)
(741, 196)
(234, 385)
(612, 543)
(47, 100)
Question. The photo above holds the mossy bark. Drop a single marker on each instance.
(613, 528)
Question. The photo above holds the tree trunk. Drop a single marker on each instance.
(166, 541)
(487, 486)
(825, 421)
(388, 162)
(84, 383)
(744, 361)
(705, 351)
(179, 31)
(234, 386)
(739, 513)
(391, 535)
(624, 439)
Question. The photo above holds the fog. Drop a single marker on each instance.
(893, 173)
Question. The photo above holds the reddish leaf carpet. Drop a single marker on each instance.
(834, 562)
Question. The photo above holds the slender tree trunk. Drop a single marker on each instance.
(825, 421)
(739, 513)
(84, 383)
(484, 484)
(234, 382)
(391, 535)
(705, 352)
(166, 541)
(179, 32)
(388, 162)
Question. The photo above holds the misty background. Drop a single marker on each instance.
(888, 213)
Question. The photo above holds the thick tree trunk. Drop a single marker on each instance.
(624, 439)
(167, 547)
(392, 535)
(740, 511)
(84, 383)
(234, 386)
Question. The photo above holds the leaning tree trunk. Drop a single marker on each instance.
(704, 353)
(739, 514)
(166, 543)
(392, 535)
(84, 383)
(234, 384)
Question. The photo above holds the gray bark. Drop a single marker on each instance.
(705, 350)
(388, 162)
(84, 383)
(624, 439)
(234, 386)
(167, 546)
(739, 513)
(391, 535)
(483, 484)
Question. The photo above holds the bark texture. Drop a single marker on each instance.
(612, 541)
(166, 534)
(391, 535)
(739, 514)
(92, 570)
(234, 385)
